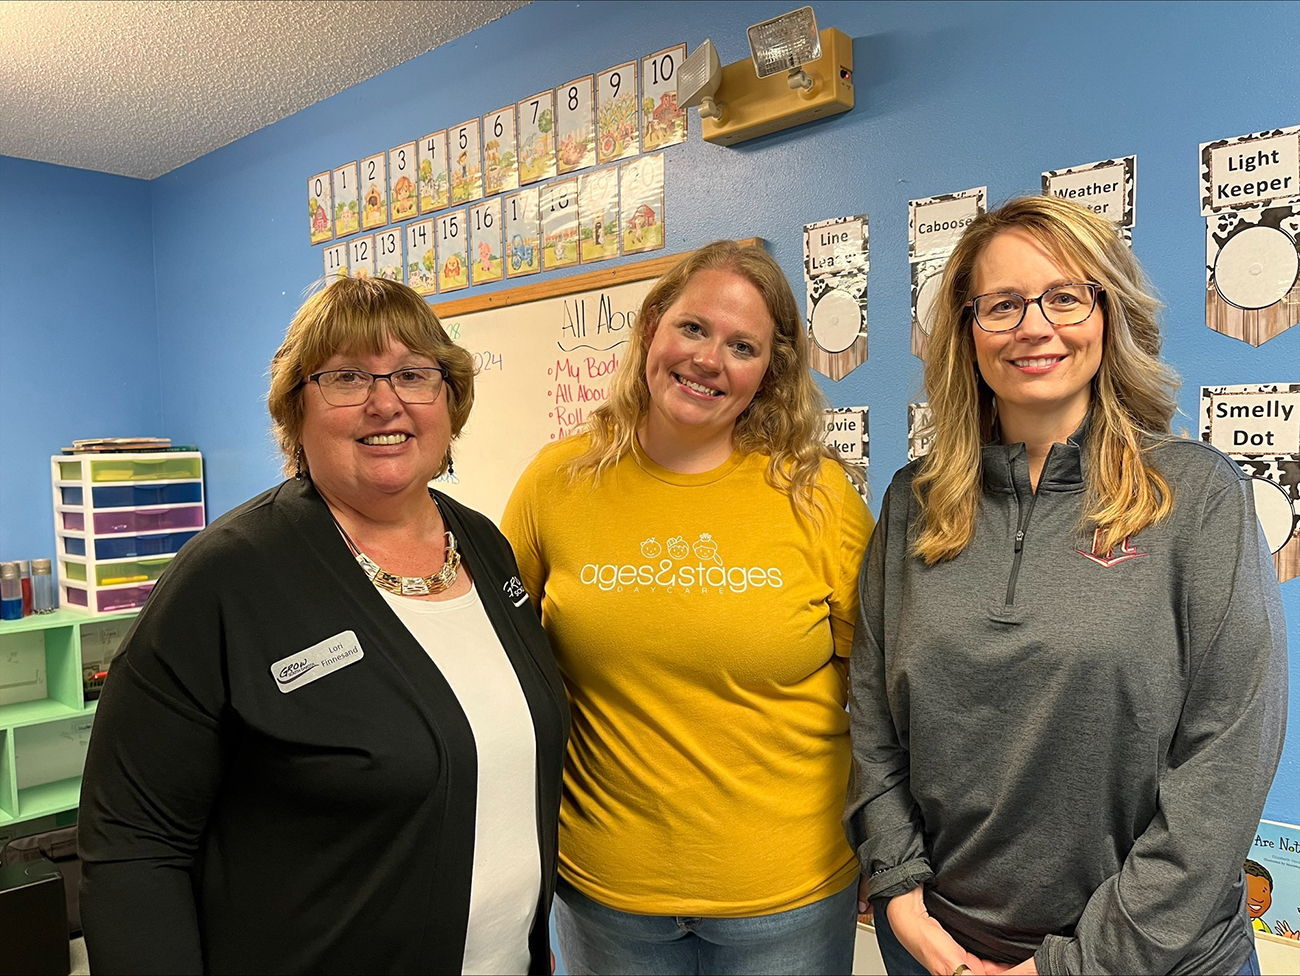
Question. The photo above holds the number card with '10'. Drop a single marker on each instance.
(421, 261)
(453, 251)
(485, 241)
(559, 210)
(662, 122)
(500, 163)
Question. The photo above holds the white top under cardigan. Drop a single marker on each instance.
(459, 638)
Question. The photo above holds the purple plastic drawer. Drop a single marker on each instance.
(74, 521)
(149, 519)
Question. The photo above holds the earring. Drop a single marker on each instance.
(451, 467)
(298, 472)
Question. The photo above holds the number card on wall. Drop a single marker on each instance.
(500, 162)
(1259, 426)
(662, 122)
(402, 174)
(523, 254)
(618, 133)
(1108, 188)
(537, 138)
(453, 252)
(559, 209)
(598, 214)
(421, 261)
(336, 262)
(1252, 272)
(374, 192)
(319, 205)
(431, 152)
(361, 257)
(485, 241)
(1250, 171)
(466, 162)
(641, 195)
(347, 219)
(836, 261)
(575, 125)
(388, 254)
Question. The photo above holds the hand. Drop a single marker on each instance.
(863, 904)
(926, 939)
(1284, 930)
(998, 968)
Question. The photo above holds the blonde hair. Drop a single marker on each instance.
(1132, 393)
(360, 315)
(784, 420)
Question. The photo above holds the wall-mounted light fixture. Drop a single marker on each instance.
(796, 74)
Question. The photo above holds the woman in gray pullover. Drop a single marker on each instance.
(1068, 681)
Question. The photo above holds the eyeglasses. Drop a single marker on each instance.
(1067, 304)
(352, 387)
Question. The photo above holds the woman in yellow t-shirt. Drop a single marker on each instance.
(694, 555)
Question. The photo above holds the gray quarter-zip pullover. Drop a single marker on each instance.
(1071, 749)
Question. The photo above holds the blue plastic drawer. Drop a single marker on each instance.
(71, 496)
(122, 496)
(73, 546)
(141, 545)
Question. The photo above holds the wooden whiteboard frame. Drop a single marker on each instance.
(569, 285)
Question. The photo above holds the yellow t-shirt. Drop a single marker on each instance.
(702, 630)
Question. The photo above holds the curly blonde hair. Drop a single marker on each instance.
(1133, 393)
(784, 420)
(360, 315)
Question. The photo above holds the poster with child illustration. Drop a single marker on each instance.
(500, 162)
(466, 163)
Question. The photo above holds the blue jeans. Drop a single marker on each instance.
(596, 941)
(900, 962)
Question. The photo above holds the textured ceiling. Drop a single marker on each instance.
(139, 88)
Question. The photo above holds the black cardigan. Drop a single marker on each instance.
(227, 826)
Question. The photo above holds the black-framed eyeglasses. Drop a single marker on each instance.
(352, 387)
(1066, 304)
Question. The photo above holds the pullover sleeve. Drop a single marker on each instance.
(856, 525)
(881, 819)
(152, 773)
(1220, 765)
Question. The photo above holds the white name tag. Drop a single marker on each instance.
(296, 670)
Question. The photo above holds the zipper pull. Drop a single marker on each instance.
(1020, 539)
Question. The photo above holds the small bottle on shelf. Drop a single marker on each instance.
(25, 580)
(11, 592)
(42, 586)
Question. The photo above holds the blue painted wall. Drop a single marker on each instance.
(949, 96)
(78, 331)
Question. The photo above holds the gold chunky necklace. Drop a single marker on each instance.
(442, 580)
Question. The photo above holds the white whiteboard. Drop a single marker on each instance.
(543, 366)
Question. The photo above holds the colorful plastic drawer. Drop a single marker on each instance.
(164, 467)
(73, 546)
(74, 571)
(149, 519)
(135, 571)
(106, 601)
(137, 496)
(70, 496)
(127, 546)
(69, 470)
(73, 521)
